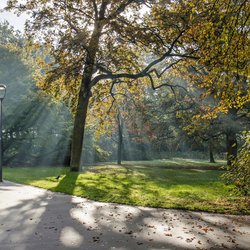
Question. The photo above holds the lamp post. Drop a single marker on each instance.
(2, 95)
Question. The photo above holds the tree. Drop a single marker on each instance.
(99, 40)
(222, 71)
(239, 171)
(10, 37)
(203, 123)
(31, 119)
(202, 130)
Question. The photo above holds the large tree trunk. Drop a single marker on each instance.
(78, 131)
(83, 99)
(231, 147)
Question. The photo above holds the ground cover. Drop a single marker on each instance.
(178, 183)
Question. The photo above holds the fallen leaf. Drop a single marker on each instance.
(205, 229)
(96, 238)
(130, 232)
(169, 235)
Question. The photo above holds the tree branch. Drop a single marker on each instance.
(119, 9)
(103, 9)
(95, 9)
(164, 70)
(144, 72)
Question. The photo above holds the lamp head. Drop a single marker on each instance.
(2, 91)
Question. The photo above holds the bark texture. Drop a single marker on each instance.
(211, 154)
(231, 147)
(83, 99)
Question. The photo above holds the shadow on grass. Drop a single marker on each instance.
(157, 187)
(136, 185)
(175, 164)
(67, 183)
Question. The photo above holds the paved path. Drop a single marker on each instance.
(35, 219)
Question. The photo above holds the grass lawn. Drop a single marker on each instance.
(178, 183)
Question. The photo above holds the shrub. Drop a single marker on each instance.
(239, 172)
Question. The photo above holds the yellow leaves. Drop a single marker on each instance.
(208, 116)
(12, 47)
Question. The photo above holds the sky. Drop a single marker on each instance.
(17, 21)
(14, 20)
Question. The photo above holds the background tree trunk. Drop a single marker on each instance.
(211, 155)
(120, 140)
(231, 147)
(231, 139)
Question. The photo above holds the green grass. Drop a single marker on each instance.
(178, 163)
(182, 184)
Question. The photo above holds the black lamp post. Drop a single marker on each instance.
(2, 95)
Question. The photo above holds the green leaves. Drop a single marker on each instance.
(239, 172)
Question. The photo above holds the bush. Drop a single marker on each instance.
(239, 172)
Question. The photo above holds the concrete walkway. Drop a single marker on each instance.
(35, 219)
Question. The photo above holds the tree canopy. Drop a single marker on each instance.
(95, 45)
(31, 120)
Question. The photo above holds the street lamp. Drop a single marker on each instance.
(2, 95)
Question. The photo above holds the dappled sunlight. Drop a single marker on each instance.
(155, 228)
(146, 186)
(127, 143)
(71, 238)
(70, 222)
(176, 163)
(136, 86)
(34, 129)
(21, 218)
(199, 170)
